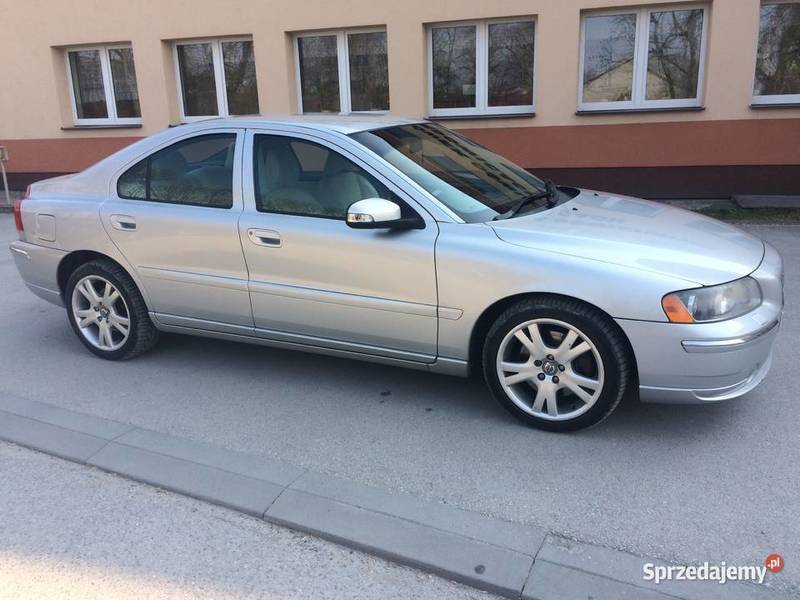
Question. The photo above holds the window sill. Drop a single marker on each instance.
(758, 105)
(526, 115)
(622, 111)
(104, 126)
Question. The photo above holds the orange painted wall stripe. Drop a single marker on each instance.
(60, 155)
(692, 143)
(687, 143)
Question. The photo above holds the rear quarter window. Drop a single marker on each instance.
(133, 182)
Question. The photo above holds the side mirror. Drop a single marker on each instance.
(377, 213)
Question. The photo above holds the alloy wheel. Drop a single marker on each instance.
(550, 369)
(101, 313)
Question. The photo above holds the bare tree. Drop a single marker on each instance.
(674, 51)
(778, 64)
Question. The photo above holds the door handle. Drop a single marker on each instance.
(123, 222)
(265, 237)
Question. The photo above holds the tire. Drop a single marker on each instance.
(97, 309)
(572, 376)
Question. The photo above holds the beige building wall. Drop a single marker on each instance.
(36, 121)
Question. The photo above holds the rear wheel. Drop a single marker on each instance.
(555, 363)
(107, 311)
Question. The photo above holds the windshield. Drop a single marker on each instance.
(473, 182)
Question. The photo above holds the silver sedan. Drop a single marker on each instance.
(402, 242)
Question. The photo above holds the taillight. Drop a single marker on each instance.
(18, 210)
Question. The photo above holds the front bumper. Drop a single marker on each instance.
(709, 362)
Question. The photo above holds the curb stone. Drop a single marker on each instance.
(755, 201)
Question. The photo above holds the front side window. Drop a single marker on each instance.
(472, 181)
(216, 78)
(298, 177)
(482, 68)
(642, 58)
(197, 171)
(103, 85)
(777, 79)
(343, 71)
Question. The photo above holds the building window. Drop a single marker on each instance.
(216, 78)
(777, 79)
(646, 58)
(342, 71)
(103, 85)
(481, 68)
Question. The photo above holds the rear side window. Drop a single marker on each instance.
(197, 172)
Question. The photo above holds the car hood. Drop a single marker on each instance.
(638, 234)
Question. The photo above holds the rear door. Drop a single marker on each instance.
(174, 216)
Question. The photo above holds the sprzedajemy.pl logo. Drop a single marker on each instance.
(721, 573)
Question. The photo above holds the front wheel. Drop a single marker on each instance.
(555, 363)
(107, 311)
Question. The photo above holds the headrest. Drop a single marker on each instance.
(336, 164)
(280, 167)
(169, 165)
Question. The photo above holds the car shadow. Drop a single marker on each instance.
(428, 391)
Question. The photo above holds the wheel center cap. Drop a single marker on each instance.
(549, 367)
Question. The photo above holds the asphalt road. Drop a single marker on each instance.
(691, 483)
(70, 531)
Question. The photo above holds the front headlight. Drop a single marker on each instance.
(714, 303)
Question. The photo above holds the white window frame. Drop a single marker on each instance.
(482, 108)
(638, 99)
(772, 99)
(108, 87)
(343, 62)
(219, 75)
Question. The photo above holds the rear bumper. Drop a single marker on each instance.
(710, 362)
(38, 267)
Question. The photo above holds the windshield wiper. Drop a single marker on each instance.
(549, 192)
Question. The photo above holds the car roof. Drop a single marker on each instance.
(344, 124)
